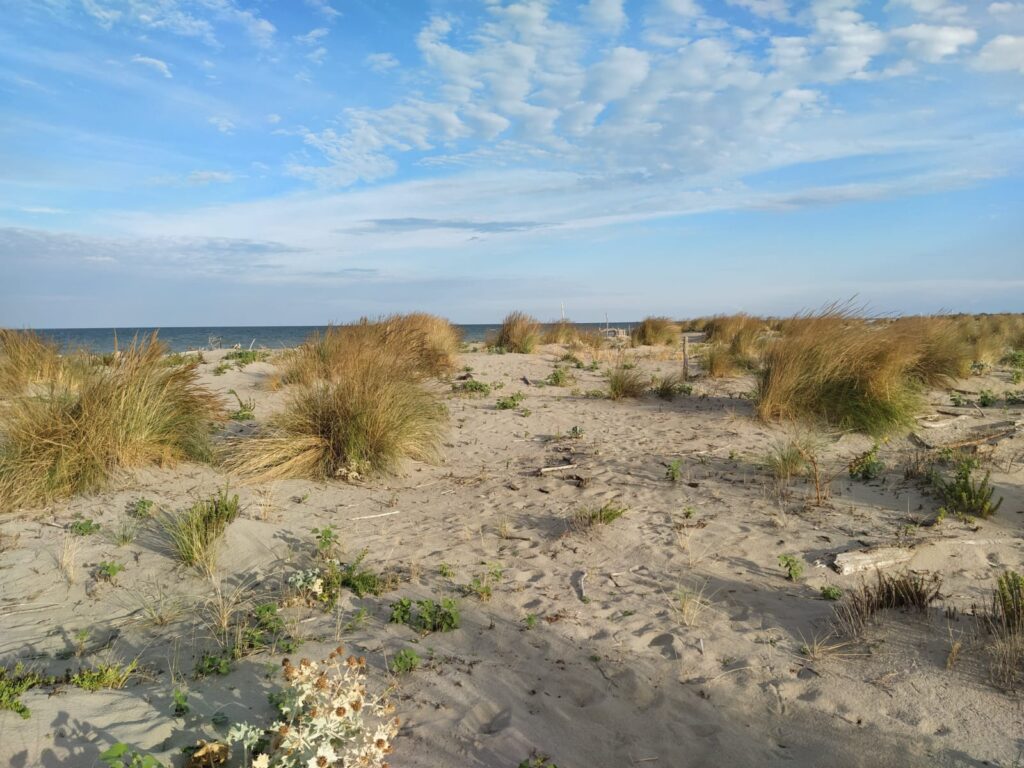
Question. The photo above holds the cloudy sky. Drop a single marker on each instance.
(189, 162)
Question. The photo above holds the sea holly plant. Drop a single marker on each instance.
(327, 718)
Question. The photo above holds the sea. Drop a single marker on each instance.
(101, 340)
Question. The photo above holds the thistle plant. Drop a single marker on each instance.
(328, 719)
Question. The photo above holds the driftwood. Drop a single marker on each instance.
(866, 559)
(558, 468)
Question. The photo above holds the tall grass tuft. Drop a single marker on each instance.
(420, 345)
(27, 358)
(562, 331)
(519, 332)
(366, 421)
(655, 331)
(836, 367)
(626, 382)
(72, 433)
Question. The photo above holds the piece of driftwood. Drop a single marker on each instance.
(994, 431)
(867, 559)
(558, 468)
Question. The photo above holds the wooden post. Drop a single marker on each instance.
(686, 356)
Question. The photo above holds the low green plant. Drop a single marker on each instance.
(213, 664)
(956, 399)
(243, 357)
(246, 408)
(575, 432)
(13, 683)
(571, 359)
(84, 527)
(221, 369)
(112, 675)
(1015, 398)
(560, 377)
(867, 466)
(1008, 603)
(530, 621)
(792, 565)
(126, 531)
(121, 755)
(426, 615)
(446, 571)
(674, 470)
(964, 497)
(537, 761)
(509, 402)
(987, 398)
(585, 518)
(405, 661)
(831, 592)
(326, 540)
(472, 387)
(787, 460)
(141, 509)
(180, 699)
(107, 570)
(669, 387)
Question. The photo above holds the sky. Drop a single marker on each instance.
(251, 162)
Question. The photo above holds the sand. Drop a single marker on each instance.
(612, 669)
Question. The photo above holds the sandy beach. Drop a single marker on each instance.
(667, 637)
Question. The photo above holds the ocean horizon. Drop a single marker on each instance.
(183, 339)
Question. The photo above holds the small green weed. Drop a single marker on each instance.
(867, 466)
(831, 592)
(472, 387)
(426, 615)
(674, 470)
(509, 402)
(792, 565)
(587, 517)
(122, 756)
(246, 408)
(405, 661)
(97, 678)
(84, 527)
(107, 570)
(180, 699)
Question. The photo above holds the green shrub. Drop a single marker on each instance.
(626, 382)
(964, 497)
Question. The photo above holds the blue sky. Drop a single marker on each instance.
(187, 162)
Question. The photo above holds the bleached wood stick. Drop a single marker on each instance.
(545, 470)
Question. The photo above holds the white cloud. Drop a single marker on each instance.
(324, 7)
(41, 209)
(935, 9)
(606, 15)
(623, 70)
(934, 43)
(682, 7)
(199, 178)
(317, 55)
(313, 37)
(156, 64)
(381, 62)
(273, 118)
(1005, 52)
(222, 124)
(775, 9)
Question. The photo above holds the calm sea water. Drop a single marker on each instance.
(181, 339)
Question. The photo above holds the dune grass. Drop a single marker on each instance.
(366, 421)
(837, 367)
(626, 382)
(655, 332)
(519, 332)
(71, 433)
(562, 331)
(195, 533)
(27, 358)
(420, 345)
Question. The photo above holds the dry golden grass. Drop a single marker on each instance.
(655, 331)
(627, 382)
(836, 367)
(62, 440)
(366, 421)
(560, 332)
(27, 358)
(719, 362)
(421, 345)
(519, 332)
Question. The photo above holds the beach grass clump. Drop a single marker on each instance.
(741, 334)
(519, 332)
(655, 332)
(417, 345)
(70, 436)
(905, 590)
(27, 358)
(562, 331)
(834, 366)
(365, 422)
(626, 382)
(195, 533)
(1004, 620)
(719, 362)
